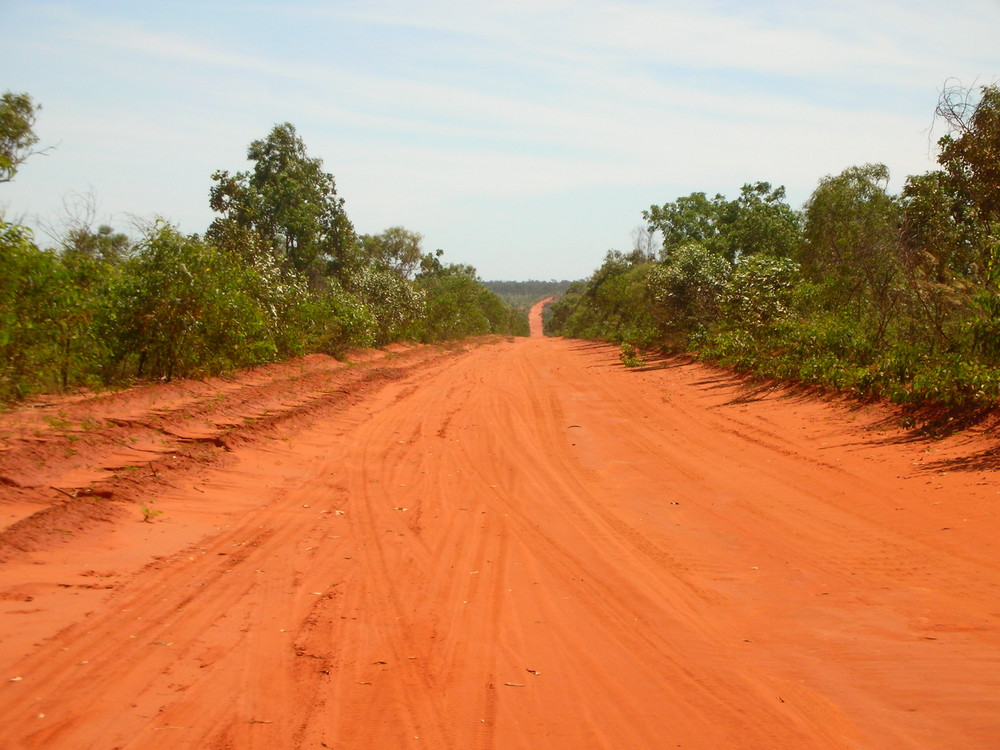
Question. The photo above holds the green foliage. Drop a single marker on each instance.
(48, 305)
(851, 246)
(934, 237)
(630, 356)
(613, 304)
(28, 285)
(82, 296)
(759, 221)
(759, 292)
(279, 273)
(149, 514)
(333, 321)
(104, 244)
(971, 152)
(939, 263)
(393, 302)
(562, 310)
(970, 155)
(181, 307)
(290, 203)
(886, 296)
(893, 297)
(689, 219)
(686, 291)
(457, 304)
(397, 248)
(850, 230)
(17, 132)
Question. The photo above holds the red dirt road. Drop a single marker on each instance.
(518, 545)
(535, 317)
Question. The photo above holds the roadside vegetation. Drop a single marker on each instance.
(280, 272)
(894, 296)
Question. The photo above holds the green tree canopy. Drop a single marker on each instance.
(759, 221)
(396, 248)
(851, 222)
(934, 237)
(970, 155)
(851, 245)
(690, 218)
(290, 202)
(104, 243)
(971, 152)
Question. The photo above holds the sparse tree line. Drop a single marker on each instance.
(280, 272)
(894, 296)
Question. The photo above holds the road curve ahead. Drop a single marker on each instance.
(526, 545)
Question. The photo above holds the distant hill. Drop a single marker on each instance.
(523, 294)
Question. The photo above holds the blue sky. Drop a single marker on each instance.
(524, 138)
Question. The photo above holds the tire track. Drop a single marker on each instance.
(526, 545)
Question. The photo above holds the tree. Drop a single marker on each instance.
(394, 303)
(759, 292)
(180, 307)
(934, 237)
(396, 248)
(760, 222)
(938, 260)
(970, 153)
(103, 244)
(291, 203)
(612, 304)
(17, 132)
(28, 285)
(686, 291)
(644, 241)
(75, 235)
(691, 218)
(851, 224)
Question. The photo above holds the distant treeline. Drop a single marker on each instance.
(280, 272)
(524, 294)
(894, 296)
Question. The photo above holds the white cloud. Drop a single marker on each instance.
(418, 108)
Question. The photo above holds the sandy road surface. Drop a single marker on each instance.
(518, 545)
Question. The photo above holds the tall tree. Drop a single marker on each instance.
(290, 202)
(970, 155)
(851, 243)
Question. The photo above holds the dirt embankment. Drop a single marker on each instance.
(521, 544)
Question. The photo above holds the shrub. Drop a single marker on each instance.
(685, 292)
(181, 307)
